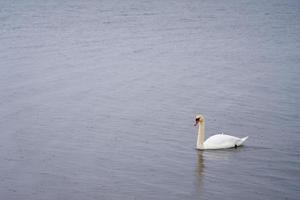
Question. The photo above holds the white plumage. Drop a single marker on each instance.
(218, 141)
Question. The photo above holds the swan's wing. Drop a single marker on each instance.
(221, 141)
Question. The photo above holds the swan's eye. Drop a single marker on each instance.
(200, 119)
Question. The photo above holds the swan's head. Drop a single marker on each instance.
(198, 119)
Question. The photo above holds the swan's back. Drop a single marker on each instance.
(222, 141)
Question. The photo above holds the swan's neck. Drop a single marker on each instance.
(201, 135)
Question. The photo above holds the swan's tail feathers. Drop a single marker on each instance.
(242, 141)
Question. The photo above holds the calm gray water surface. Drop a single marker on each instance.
(98, 98)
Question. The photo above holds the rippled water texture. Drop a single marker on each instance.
(98, 98)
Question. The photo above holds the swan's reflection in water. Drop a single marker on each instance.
(200, 164)
(208, 163)
(221, 155)
(200, 174)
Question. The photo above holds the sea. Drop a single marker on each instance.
(98, 99)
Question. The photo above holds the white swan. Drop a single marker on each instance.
(219, 141)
